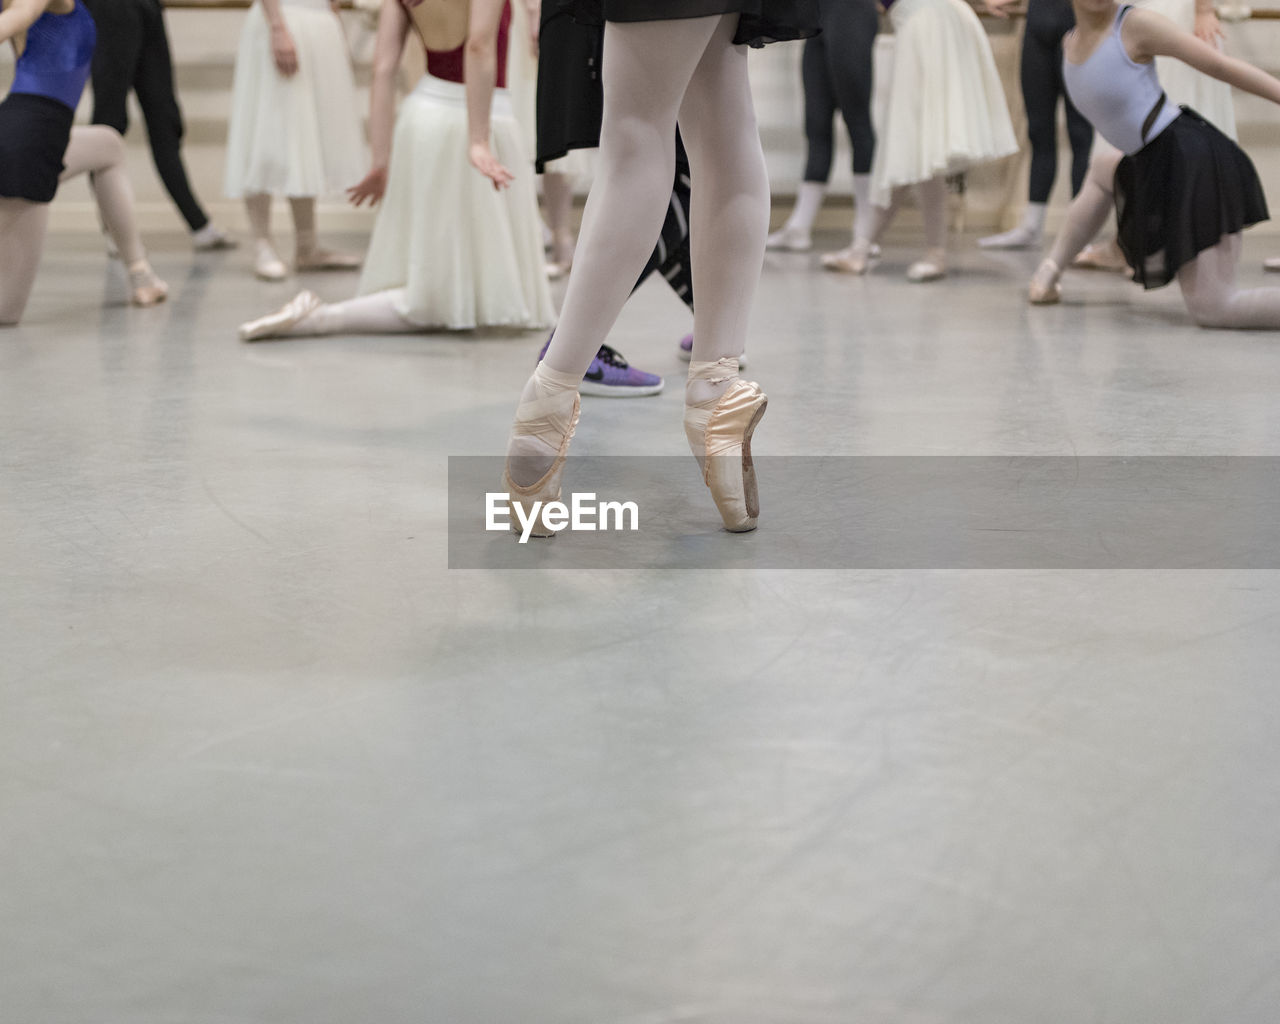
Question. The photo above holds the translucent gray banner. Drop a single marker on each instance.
(844, 512)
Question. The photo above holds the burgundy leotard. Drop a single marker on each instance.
(448, 65)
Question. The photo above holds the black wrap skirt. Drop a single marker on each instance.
(1181, 194)
(761, 21)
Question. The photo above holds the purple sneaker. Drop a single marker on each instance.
(611, 376)
(685, 352)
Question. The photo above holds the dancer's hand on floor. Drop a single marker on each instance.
(372, 188)
(483, 160)
(283, 51)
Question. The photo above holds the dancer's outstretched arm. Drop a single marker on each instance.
(480, 72)
(393, 30)
(1147, 35)
(18, 16)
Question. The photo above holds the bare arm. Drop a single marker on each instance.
(18, 16)
(1147, 35)
(393, 30)
(480, 73)
(533, 12)
(282, 49)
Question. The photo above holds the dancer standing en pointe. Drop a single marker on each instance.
(1183, 191)
(667, 60)
(54, 41)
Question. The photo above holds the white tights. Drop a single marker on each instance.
(655, 74)
(365, 314)
(98, 151)
(1208, 282)
(932, 196)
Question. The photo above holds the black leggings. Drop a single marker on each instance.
(1042, 86)
(133, 53)
(837, 74)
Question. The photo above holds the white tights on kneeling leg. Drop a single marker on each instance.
(1213, 298)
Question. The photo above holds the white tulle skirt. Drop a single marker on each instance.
(297, 136)
(465, 255)
(1183, 84)
(946, 109)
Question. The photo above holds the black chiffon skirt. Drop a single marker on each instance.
(34, 132)
(761, 21)
(1181, 194)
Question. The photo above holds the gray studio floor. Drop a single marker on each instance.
(265, 759)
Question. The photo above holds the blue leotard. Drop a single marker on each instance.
(57, 57)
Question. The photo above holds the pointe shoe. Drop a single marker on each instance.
(267, 264)
(722, 445)
(926, 270)
(1044, 288)
(1100, 256)
(547, 488)
(320, 258)
(856, 259)
(790, 239)
(146, 288)
(1271, 264)
(277, 324)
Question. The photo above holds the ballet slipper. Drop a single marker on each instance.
(1044, 289)
(147, 288)
(719, 433)
(1273, 263)
(1021, 237)
(856, 259)
(556, 271)
(279, 323)
(790, 239)
(545, 419)
(267, 264)
(321, 258)
(931, 268)
(1104, 256)
(212, 238)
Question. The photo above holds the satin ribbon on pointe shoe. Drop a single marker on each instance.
(719, 433)
(542, 418)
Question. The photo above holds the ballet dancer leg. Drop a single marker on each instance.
(307, 316)
(646, 68)
(729, 219)
(851, 30)
(23, 225)
(933, 207)
(859, 257)
(99, 151)
(819, 113)
(267, 263)
(309, 254)
(1215, 300)
(557, 194)
(1085, 217)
